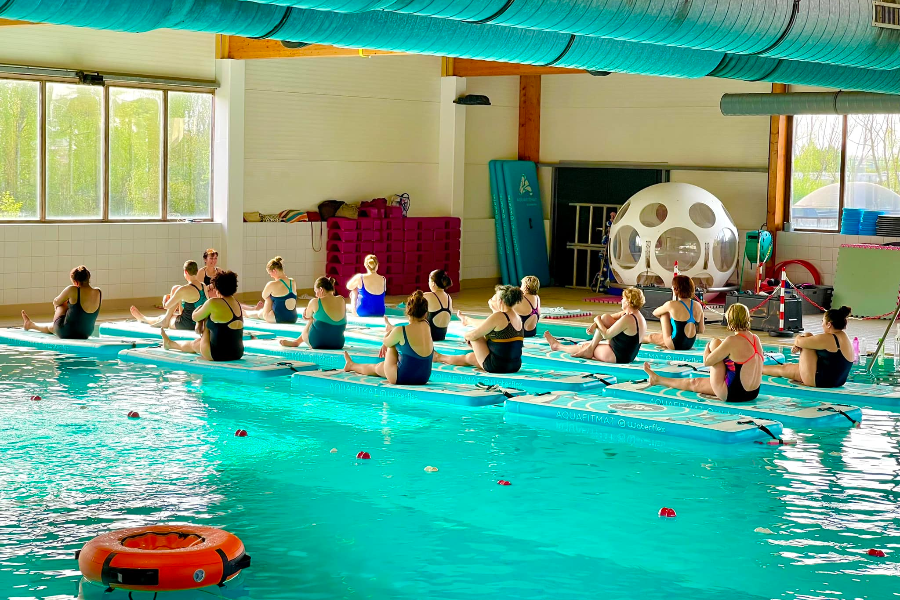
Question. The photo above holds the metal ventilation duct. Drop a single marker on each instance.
(443, 37)
(828, 31)
(812, 103)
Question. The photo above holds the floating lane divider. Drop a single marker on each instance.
(531, 380)
(248, 369)
(98, 347)
(353, 384)
(801, 413)
(136, 329)
(648, 418)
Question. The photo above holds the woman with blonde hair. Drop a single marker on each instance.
(617, 336)
(408, 350)
(367, 290)
(530, 307)
(279, 297)
(735, 363)
(326, 319)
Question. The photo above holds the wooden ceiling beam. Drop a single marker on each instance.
(466, 67)
(241, 48)
(11, 23)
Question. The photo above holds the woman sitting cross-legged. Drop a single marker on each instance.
(186, 297)
(76, 309)
(496, 341)
(326, 319)
(680, 321)
(223, 334)
(623, 332)
(825, 359)
(407, 350)
(279, 298)
(735, 363)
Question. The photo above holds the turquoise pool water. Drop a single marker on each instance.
(579, 520)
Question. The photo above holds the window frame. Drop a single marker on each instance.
(105, 150)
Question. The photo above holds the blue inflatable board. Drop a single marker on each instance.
(248, 369)
(803, 413)
(98, 347)
(136, 329)
(503, 254)
(352, 384)
(526, 220)
(645, 417)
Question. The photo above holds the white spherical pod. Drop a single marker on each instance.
(671, 222)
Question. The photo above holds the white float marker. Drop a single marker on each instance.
(676, 268)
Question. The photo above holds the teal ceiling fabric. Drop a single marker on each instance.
(814, 103)
(828, 31)
(383, 30)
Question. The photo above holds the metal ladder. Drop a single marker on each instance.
(600, 248)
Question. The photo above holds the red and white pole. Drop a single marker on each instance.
(781, 307)
(676, 268)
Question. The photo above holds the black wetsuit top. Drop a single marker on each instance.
(832, 368)
(506, 349)
(626, 347)
(439, 334)
(225, 343)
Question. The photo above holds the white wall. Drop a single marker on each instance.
(348, 128)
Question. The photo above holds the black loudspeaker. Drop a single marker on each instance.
(765, 317)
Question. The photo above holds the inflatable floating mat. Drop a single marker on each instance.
(249, 368)
(655, 353)
(352, 384)
(855, 393)
(805, 413)
(99, 347)
(527, 379)
(526, 238)
(136, 329)
(645, 417)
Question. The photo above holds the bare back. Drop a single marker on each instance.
(90, 297)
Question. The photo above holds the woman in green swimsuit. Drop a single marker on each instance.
(326, 319)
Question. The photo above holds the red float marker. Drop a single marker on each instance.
(240, 433)
(134, 414)
(364, 456)
(35, 398)
(503, 482)
(878, 553)
(667, 512)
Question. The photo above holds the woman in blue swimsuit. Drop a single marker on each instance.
(76, 309)
(223, 334)
(279, 296)
(825, 359)
(367, 290)
(681, 317)
(408, 349)
(735, 363)
(326, 319)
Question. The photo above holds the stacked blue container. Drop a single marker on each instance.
(851, 220)
(869, 225)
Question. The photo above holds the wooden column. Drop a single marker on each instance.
(530, 118)
(779, 167)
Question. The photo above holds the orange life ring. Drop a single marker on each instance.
(163, 558)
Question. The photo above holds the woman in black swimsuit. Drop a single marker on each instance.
(530, 307)
(209, 270)
(223, 336)
(440, 306)
(825, 359)
(681, 318)
(735, 363)
(76, 309)
(623, 332)
(496, 341)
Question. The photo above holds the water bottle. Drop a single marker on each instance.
(856, 351)
(880, 357)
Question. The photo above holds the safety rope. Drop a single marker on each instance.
(762, 428)
(840, 412)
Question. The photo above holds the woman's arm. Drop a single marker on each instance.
(267, 291)
(617, 327)
(720, 353)
(813, 342)
(203, 312)
(662, 310)
(701, 322)
(484, 328)
(311, 309)
(354, 282)
(64, 296)
(393, 338)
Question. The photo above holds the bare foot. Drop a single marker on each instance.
(436, 357)
(136, 313)
(554, 343)
(651, 374)
(167, 343)
(348, 362)
(291, 343)
(259, 305)
(27, 323)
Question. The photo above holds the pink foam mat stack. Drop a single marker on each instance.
(408, 248)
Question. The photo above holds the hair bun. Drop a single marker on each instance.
(846, 310)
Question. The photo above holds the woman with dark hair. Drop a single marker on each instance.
(407, 350)
(825, 359)
(530, 307)
(326, 319)
(279, 297)
(75, 309)
(223, 335)
(439, 304)
(210, 260)
(496, 341)
(180, 303)
(680, 322)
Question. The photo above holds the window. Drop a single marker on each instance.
(19, 149)
(109, 153)
(843, 162)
